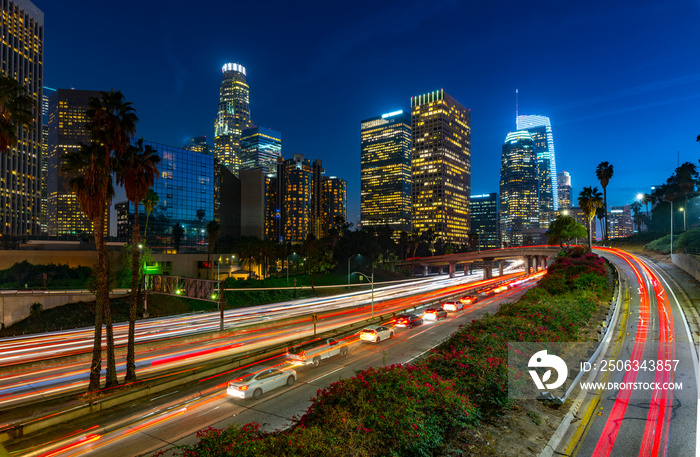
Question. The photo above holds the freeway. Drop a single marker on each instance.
(279, 323)
(141, 428)
(645, 402)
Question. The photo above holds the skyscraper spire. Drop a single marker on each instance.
(516, 107)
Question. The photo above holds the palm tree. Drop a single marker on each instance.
(645, 200)
(600, 214)
(589, 200)
(178, 231)
(136, 171)
(15, 110)
(149, 204)
(111, 123)
(86, 169)
(604, 172)
(213, 230)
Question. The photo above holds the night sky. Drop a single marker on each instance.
(619, 80)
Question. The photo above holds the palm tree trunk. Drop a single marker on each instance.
(103, 294)
(96, 365)
(133, 301)
(605, 199)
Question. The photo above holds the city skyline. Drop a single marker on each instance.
(615, 71)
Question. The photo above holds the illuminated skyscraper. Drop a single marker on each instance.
(233, 116)
(519, 184)
(197, 144)
(540, 129)
(441, 166)
(385, 171)
(297, 200)
(22, 49)
(66, 130)
(620, 221)
(333, 203)
(564, 183)
(47, 91)
(260, 147)
(483, 210)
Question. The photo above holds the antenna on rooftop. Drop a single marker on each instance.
(516, 108)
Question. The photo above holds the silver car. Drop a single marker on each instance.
(255, 381)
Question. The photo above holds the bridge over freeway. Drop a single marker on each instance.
(535, 258)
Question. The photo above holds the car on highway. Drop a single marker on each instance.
(434, 314)
(376, 334)
(468, 299)
(255, 381)
(452, 306)
(408, 320)
(312, 352)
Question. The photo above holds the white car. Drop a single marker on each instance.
(376, 334)
(255, 381)
(452, 306)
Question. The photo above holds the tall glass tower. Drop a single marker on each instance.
(541, 130)
(518, 188)
(260, 147)
(385, 171)
(441, 166)
(232, 117)
(22, 49)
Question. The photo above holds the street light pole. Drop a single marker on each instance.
(671, 228)
(683, 211)
(371, 279)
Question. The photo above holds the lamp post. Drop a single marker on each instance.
(371, 280)
(293, 253)
(351, 257)
(682, 210)
(671, 201)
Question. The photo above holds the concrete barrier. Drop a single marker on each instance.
(687, 262)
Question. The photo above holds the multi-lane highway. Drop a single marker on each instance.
(174, 417)
(644, 400)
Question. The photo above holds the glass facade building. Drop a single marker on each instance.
(185, 187)
(484, 218)
(564, 183)
(232, 116)
(22, 49)
(441, 166)
(197, 144)
(620, 221)
(66, 130)
(518, 188)
(260, 147)
(47, 91)
(541, 129)
(385, 171)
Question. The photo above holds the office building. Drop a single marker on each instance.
(260, 147)
(441, 166)
(185, 186)
(66, 131)
(47, 91)
(232, 117)
(197, 144)
(253, 206)
(22, 48)
(484, 218)
(300, 201)
(577, 213)
(564, 185)
(540, 129)
(333, 203)
(519, 208)
(385, 171)
(620, 221)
